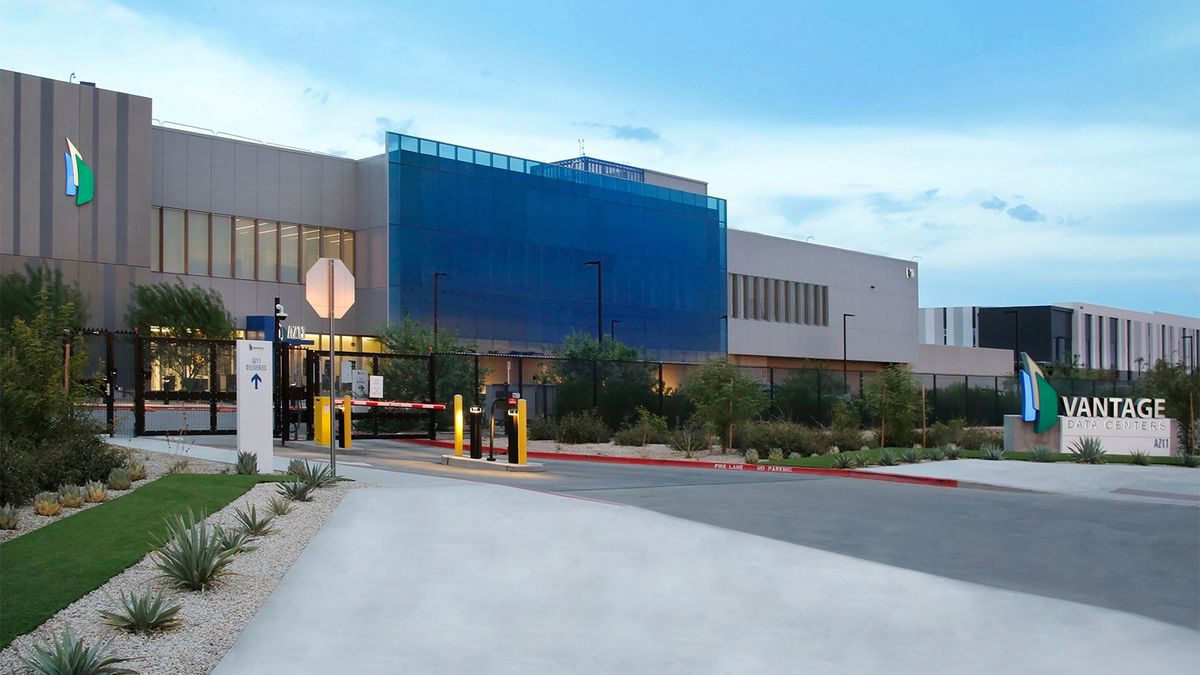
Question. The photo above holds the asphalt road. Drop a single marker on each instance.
(1134, 557)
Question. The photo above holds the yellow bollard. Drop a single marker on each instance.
(346, 410)
(521, 435)
(458, 425)
(321, 420)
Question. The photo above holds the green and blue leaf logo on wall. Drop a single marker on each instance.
(81, 184)
(1039, 401)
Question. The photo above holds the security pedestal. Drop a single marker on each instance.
(476, 432)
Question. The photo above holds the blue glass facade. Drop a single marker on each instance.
(512, 236)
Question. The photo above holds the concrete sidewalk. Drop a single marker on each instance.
(445, 576)
(1125, 482)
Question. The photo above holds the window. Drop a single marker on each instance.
(348, 249)
(268, 245)
(172, 241)
(243, 241)
(311, 237)
(222, 247)
(289, 253)
(197, 246)
(155, 234)
(331, 241)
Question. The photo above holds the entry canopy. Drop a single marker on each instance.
(316, 287)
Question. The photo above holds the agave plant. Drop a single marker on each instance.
(8, 517)
(886, 458)
(952, 451)
(296, 491)
(96, 491)
(1088, 450)
(192, 556)
(68, 655)
(318, 475)
(910, 456)
(118, 479)
(182, 466)
(751, 456)
(1042, 454)
(935, 454)
(863, 459)
(150, 611)
(992, 451)
(47, 504)
(71, 496)
(247, 464)
(137, 469)
(295, 467)
(279, 507)
(1188, 459)
(233, 540)
(843, 460)
(251, 523)
(1140, 457)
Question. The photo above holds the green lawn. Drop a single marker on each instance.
(44, 571)
(826, 461)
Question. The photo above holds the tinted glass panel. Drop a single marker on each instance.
(243, 239)
(331, 243)
(221, 246)
(155, 235)
(311, 248)
(197, 233)
(348, 249)
(173, 241)
(268, 244)
(289, 253)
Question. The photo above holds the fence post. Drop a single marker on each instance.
(139, 386)
(212, 387)
(771, 384)
(935, 395)
(967, 398)
(312, 380)
(476, 392)
(595, 383)
(432, 396)
(110, 377)
(820, 398)
(661, 387)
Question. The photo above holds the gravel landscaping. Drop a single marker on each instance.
(211, 620)
(157, 465)
(650, 451)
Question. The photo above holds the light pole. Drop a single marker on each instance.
(599, 265)
(281, 417)
(845, 362)
(436, 276)
(612, 329)
(1016, 338)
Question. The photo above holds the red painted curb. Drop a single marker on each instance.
(724, 466)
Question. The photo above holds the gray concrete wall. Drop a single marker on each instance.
(372, 244)
(877, 290)
(101, 245)
(949, 360)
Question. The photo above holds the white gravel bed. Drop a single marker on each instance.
(211, 620)
(649, 451)
(157, 465)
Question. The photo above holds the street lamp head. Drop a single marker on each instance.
(591, 262)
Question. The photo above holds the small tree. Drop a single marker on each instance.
(893, 398)
(20, 296)
(622, 382)
(723, 397)
(1182, 393)
(182, 311)
(408, 379)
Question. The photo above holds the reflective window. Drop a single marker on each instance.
(222, 247)
(331, 243)
(348, 249)
(289, 253)
(197, 247)
(155, 234)
(311, 237)
(268, 245)
(243, 249)
(172, 241)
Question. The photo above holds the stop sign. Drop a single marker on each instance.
(324, 274)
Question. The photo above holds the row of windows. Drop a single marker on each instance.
(778, 300)
(208, 244)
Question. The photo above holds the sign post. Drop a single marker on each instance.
(255, 388)
(329, 289)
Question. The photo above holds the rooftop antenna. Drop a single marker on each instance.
(582, 153)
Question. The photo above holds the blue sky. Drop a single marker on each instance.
(1020, 152)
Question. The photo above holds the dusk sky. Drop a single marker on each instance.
(1022, 153)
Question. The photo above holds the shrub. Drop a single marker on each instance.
(137, 469)
(787, 436)
(279, 507)
(752, 456)
(724, 397)
(648, 428)
(910, 456)
(145, 613)
(232, 540)
(47, 504)
(992, 452)
(96, 491)
(539, 429)
(1140, 457)
(582, 427)
(974, 438)
(317, 475)
(691, 439)
(9, 515)
(295, 467)
(775, 455)
(944, 433)
(118, 479)
(66, 654)
(843, 460)
(1188, 459)
(894, 396)
(886, 458)
(1042, 454)
(182, 466)
(29, 466)
(192, 556)
(935, 454)
(297, 491)
(795, 455)
(863, 459)
(71, 496)
(251, 523)
(952, 451)
(1087, 450)
(247, 464)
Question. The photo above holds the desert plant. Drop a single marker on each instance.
(8, 517)
(192, 556)
(251, 522)
(317, 475)
(297, 491)
(47, 504)
(886, 458)
(1140, 457)
(935, 454)
(279, 507)
(118, 479)
(182, 466)
(843, 460)
(691, 439)
(247, 463)
(752, 456)
(647, 428)
(1087, 450)
(952, 451)
(795, 455)
(863, 459)
(992, 452)
(724, 396)
(67, 655)
(296, 466)
(137, 469)
(96, 491)
(144, 613)
(71, 496)
(1042, 454)
(582, 427)
(1188, 459)
(232, 540)
(910, 456)
(775, 455)
(974, 438)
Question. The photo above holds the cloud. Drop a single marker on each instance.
(626, 132)
(994, 204)
(1026, 213)
(882, 202)
(799, 208)
(321, 97)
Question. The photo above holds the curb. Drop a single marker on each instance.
(724, 466)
